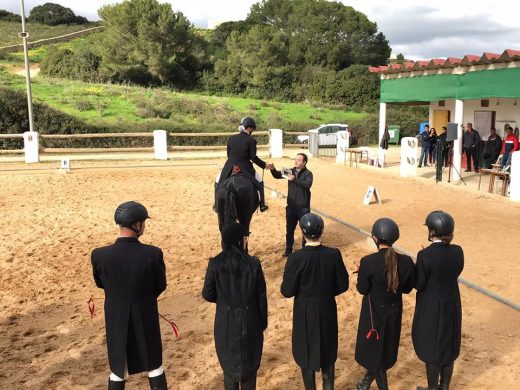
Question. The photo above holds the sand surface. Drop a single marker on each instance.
(52, 221)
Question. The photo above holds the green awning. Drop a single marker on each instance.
(499, 83)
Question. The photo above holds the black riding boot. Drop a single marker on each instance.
(327, 375)
(432, 374)
(263, 206)
(215, 199)
(158, 382)
(381, 380)
(446, 373)
(116, 385)
(365, 382)
(309, 379)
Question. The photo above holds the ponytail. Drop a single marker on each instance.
(392, 278)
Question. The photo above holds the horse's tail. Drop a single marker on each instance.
(230, 210)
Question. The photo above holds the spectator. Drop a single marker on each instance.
(314, 276)
(436, 329)
(382, 279)
(298, 197)
(444, 152)
(433, 146)
(425, 146)
(235, 282)
(471, 144)
(493, 147)
(509, 145)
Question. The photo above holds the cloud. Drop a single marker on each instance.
(438, 29)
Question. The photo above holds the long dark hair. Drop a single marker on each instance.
(233, 256)
(392, 277)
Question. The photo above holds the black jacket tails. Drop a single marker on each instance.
(314, 276)
(133, 275)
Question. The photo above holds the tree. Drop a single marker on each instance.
(7, 16)
(253, 59)
(53, 14)
(145, 42)
(399, 58)
(323, 33)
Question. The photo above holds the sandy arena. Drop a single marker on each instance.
(52, 221)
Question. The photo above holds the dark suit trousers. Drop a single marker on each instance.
(471, 153)
(292, 217)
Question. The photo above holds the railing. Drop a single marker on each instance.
(124, 135)
(48, 41)
(294, 134)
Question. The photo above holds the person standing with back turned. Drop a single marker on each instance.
(133, 275)
(382, 279)
(235, 282)
(437, 322)
(314, 276)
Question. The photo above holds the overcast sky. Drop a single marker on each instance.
(439, 28)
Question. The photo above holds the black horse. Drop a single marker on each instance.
(237, 200)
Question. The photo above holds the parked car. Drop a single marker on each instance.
(327, 134)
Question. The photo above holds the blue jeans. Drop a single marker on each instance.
(424, 155)
(506, 160)
(292, 216)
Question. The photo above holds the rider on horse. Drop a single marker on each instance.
(241, 153)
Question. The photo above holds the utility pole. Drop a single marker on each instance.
(24, 35)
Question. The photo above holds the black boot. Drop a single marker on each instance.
(381, 380)
(263, 206)
(116, 385)
(365, 382)
(158, 382)
(327, 376)
(432, 374)
(215, 201)
(446, 373)
(309, 379)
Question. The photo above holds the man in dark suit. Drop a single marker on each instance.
(241, 152)
(298, 197)
(133, 275)
(471, 144)
(314, 276)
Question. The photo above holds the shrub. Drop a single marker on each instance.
(83, 105)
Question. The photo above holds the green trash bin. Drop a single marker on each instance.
(393, 130)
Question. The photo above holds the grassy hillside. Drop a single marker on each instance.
(9, 31)
(128, 108)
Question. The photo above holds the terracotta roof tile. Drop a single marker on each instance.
(435, 63)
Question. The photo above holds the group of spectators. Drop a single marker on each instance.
(431, 144)
(133, 275)
(496, 150)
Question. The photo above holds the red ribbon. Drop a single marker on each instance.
(369, 334)
(91, 307)
(92, 311)
(172, 324)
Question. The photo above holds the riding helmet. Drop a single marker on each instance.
(440, 222)
(385, 230)
(312, 225)
(128, 213)
(233, 234)
(248, 122)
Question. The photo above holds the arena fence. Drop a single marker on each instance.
(160, 140)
